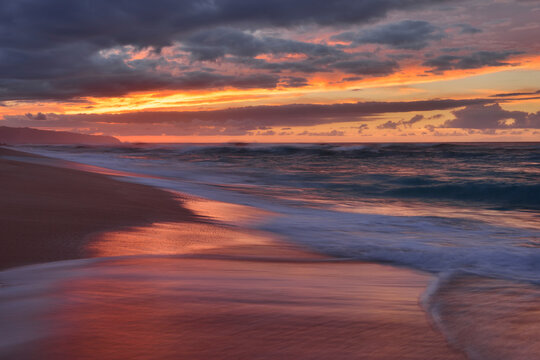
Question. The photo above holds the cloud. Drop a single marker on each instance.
(107, 23)
(307, 66)
(406, 123)
(351, 63)
(468, 29)
(407, 34)
(266, 133)
(471, 61)
(370, 67)
(127, 80)
(413, 120)
(212, 44)
(293, 81)
(233, 120)
(64, 49)
(324, 133)
(362, 127)
(482, 116)
(38, 116)
(513, 94)
(388, 125)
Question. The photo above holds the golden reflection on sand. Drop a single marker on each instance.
(173, 238)
(177, 238)
(226, 212)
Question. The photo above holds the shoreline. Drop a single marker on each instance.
(161, 307)
(48, 212)
(386, 320)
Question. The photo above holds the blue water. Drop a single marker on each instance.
(441, 208)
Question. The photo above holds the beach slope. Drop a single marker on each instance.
(47, 212)
(234, 303)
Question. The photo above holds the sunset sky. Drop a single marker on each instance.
(273, 71)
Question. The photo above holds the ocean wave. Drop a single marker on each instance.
(433, 244)
(486, 318)
(503, 176)
(502, 195)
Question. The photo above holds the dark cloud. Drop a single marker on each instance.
(64, 49)
(388, 125)
(468, 29)
(233, 121)
(293, 81)
(324, 133)
(471, 61)
(407, 34)
(513, 94)
(326, 63)
(286, 115)
(38, 116)
(215, 43)
(106, 23)
(362, 127)
(307, 66)
(122, 82)
(266, 133)
(352, 78)
(202, 80)
(405, 123)
(416, 118)
(453, 133)
(452, 49)
(370, 67)
(482, 116)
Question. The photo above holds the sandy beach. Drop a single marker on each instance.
(47, 212)
(189, 289)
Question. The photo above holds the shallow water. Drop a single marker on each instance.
(488, 318)
(148, 307)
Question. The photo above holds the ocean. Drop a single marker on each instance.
(433, 207)
(468, 213)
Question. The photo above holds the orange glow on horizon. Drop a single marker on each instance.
(327, 83)
(320, 91)
(411, 83)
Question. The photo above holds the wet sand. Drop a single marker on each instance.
(490, 318)
(47, 212)
(237, 295)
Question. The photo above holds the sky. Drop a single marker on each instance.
(273, 70)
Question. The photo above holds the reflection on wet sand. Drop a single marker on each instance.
(169, 239)
(188, 237)
(174, 308)
(223, 212)
(490, 318)
(220, 292)
(193, 238)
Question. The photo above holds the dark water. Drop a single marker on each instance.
(502, 176)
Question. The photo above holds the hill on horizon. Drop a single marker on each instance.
(30, 136)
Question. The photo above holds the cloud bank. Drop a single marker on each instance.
(235, 121)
